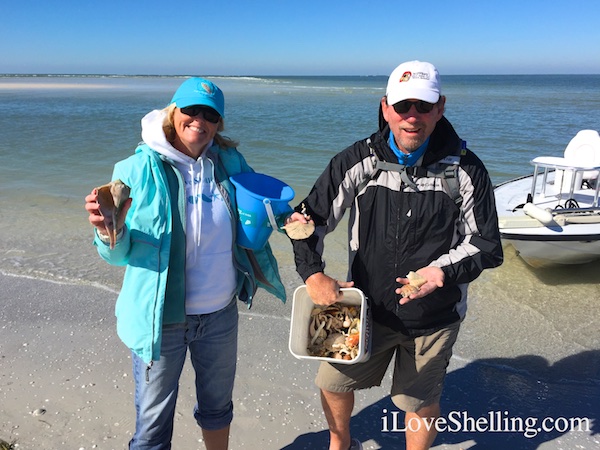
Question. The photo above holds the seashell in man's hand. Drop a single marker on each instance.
(415, 279)
(415, 282)
(299, 230)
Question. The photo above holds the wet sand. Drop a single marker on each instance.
(60, 356)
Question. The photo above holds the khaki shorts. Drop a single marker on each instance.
(419, 370)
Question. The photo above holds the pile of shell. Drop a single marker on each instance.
(334, 331)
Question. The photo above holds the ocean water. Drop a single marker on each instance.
(61, 135)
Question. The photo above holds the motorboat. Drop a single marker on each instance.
(551, 216)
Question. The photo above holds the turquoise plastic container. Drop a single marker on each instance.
(259, 199)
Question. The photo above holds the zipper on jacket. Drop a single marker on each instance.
(181, 195)
(397, 239)
(397, 306)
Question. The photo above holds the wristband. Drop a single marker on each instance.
(105, 238)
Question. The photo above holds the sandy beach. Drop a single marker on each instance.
(65, 380)
(528, 349)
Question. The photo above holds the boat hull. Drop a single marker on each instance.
(542, 245)
(538, 253)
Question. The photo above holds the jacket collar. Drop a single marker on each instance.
(443, 142)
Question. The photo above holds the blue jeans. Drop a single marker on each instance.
(212, 341)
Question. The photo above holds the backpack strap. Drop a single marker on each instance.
(375, 172)
(451, 183)
(402, 169)
(450, 173)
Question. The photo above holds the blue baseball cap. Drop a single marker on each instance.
(198, 91)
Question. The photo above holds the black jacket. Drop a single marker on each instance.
(394, 228)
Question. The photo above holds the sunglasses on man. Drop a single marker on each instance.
(422, 107)
(209, 114)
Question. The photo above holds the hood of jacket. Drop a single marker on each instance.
(154, 136)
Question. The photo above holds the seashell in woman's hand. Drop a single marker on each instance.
(111, 198)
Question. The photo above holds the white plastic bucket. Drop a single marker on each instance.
(301, 317)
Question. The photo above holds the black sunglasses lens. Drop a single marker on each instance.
(190, 111)
(423, 107)
(208, 114)
(211, 116)
(404, 106)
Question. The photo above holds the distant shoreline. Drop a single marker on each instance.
(111, 81)
(52, 86)
(114, 75)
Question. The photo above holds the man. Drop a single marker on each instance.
(420, 201)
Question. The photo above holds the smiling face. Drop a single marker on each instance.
(192, 133)
(412, 128)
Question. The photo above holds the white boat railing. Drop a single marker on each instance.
(566, 166)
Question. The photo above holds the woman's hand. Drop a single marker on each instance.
(98, 220)
(93, 208)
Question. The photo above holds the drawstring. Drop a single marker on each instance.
(197, 183)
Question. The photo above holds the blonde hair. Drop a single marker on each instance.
(170, 133)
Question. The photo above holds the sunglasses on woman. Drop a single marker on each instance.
(209, 114)
(422, 107)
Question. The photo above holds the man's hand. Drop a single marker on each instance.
(434, 277)
(324, 290)
(297, 217)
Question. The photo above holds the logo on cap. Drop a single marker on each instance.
(405, 76)
(421, 75)
(207, 88)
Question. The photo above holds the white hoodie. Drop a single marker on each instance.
(210, 275)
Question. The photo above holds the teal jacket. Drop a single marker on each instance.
(154, 250)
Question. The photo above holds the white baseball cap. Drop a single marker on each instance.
(414, 79)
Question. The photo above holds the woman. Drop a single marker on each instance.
(184, 269)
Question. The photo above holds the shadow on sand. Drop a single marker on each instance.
(522, 388)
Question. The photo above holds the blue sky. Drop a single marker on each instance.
(285, 37)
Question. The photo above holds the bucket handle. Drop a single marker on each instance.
(270, 214)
